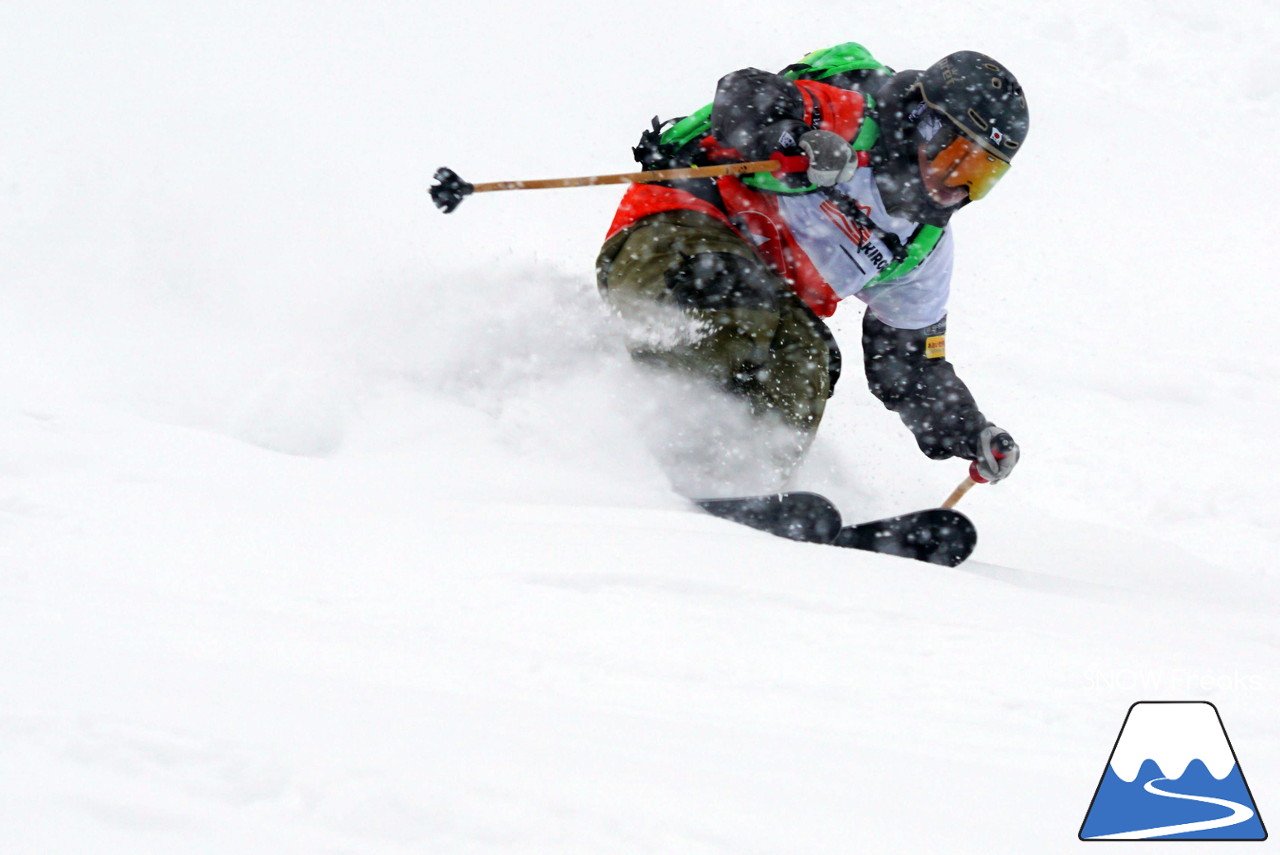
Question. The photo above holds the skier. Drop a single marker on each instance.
(751, 265)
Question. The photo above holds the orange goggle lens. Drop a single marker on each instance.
(964, 163)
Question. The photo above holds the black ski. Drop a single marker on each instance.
(937, 536)
(796, 516)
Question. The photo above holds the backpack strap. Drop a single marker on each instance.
(688, 131)
(915, 251)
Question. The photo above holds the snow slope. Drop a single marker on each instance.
(326, 523)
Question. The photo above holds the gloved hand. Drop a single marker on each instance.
(830, 157)
(997, 455)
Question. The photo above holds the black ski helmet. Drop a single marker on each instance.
(981, 97)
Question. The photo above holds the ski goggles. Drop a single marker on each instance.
(956, 160)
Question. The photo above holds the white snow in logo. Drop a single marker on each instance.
(1172, 735)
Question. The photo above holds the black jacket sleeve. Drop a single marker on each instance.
(926, 393)
(758, 113)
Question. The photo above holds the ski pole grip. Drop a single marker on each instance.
(973, 467)
(790, 162)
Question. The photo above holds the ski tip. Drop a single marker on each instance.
(935, 536)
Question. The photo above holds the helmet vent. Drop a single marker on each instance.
(978, 120)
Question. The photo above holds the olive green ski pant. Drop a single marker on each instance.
(744, 329)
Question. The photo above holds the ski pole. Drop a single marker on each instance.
(450, 189)
(965, 486)
(968, 483)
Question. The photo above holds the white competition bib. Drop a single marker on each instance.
(849, 256)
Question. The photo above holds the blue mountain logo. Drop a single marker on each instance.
(1173, 775)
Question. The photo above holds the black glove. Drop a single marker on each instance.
(758, 113)
(995, 455)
